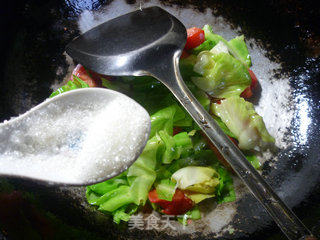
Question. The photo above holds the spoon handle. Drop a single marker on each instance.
(288, 222)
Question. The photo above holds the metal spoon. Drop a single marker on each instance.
(150, 42)
(52, 142)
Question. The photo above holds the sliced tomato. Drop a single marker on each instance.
(176, 130)
(195, 36)
(180, 203)
(86, 76)
(92, 78)
(248, 92)
(153, 196)
(254, 80)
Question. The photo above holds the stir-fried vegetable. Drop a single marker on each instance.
(179, 204)
(196, 179)
(221, 75)
(243, 121)
(178, 167)
(75, 84)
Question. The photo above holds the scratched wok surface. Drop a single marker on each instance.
(33, 38)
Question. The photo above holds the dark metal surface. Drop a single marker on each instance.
(34, 35)
(138, 37)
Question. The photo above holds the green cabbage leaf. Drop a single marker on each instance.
(165, 189)
(71, 85)
(222, 75)
(243, 121)
(236, 46)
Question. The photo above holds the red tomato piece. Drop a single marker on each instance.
(180, 203)
(254, 80)
(176, 130)
(247, 93)
(153, 196)
(195, 36)
(91, 78)
(81, 73)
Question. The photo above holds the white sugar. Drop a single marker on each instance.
(76, 142)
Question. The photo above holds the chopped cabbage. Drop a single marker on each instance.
(199, 182)
(165, 189)
(243, 121)
(219, 48)
(222, 75)
(71, 85)
(196, 179)
(239, 48)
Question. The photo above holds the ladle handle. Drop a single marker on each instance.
(288, 222)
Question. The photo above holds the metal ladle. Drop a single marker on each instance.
(150, 42)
